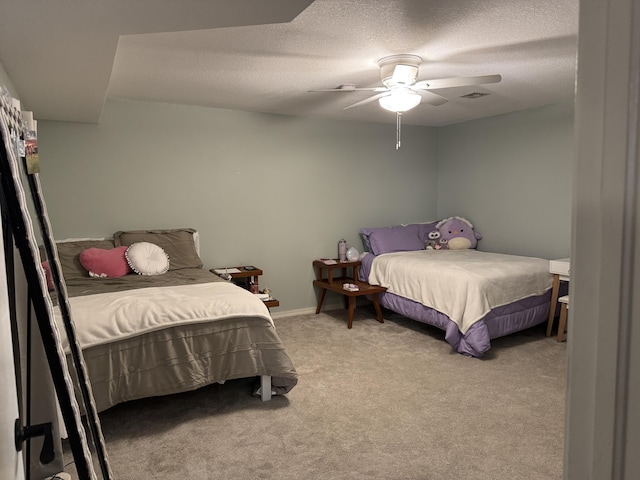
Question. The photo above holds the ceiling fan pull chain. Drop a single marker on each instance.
(398, 129)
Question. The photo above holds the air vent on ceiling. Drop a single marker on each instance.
(474, 95)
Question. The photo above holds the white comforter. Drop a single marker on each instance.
(108, 317)
(463, 284)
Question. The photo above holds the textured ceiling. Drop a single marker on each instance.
(242, 55)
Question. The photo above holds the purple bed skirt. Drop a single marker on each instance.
(476, 342)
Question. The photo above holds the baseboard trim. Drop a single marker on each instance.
(305, 311)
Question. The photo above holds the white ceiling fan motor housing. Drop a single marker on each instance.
(399, 70)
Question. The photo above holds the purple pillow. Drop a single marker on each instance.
(400, 238)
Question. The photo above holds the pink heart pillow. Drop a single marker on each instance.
(105, 263)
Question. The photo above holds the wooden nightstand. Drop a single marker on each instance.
(250, 274)
(334, 283)
(561, 270)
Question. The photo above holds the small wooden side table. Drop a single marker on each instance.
(332, 283)
(252, 274)
(561, 270)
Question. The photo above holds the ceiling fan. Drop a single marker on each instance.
(402, 91)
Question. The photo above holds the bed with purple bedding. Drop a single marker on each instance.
(473, 296)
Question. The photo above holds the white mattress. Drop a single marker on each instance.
(463, 284)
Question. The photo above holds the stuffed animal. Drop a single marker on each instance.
(433, 240)
(458, 233)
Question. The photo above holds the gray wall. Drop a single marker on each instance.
(261, 189)
(511, 175)
(279, 191)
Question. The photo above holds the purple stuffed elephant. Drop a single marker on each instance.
(458, 233)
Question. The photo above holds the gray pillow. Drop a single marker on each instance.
(177, 243)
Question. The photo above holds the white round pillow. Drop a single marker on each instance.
(146, 258)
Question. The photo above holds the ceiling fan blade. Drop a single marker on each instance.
(456, 82)
(351, 88)
(433, 98)
(368, 100)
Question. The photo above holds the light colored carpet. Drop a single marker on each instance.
(380, 401)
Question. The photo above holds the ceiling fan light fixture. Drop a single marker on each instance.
(402, 91)
(400, 101)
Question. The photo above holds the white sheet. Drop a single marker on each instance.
(463, 284)
(109, 317)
